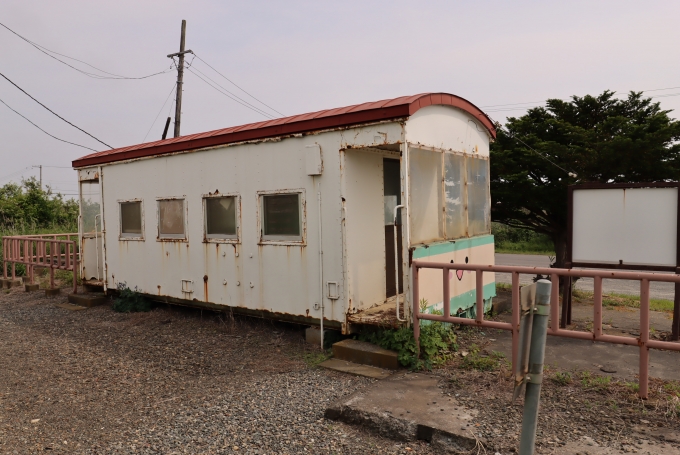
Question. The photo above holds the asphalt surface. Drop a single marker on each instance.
(657, 290)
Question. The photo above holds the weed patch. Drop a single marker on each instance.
(437, 344)
(562, 378)
(130, 300)
(475, 360)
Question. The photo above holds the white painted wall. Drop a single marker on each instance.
(284, 278)
(635, 225)
(447, 128)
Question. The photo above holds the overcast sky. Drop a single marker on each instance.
(303, 56)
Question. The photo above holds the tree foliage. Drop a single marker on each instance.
(25, 208)
(597, 138)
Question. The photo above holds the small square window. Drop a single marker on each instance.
(281, 219)
(171, 219)
(220, 217)
(131, 219)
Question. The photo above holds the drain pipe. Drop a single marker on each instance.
(396, 262)
(321, 299)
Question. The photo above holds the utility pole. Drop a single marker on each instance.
(180, 77)
(39, 166)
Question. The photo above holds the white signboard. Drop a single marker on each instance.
(625, 226)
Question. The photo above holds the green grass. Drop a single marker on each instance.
(312, 359)
(476, 361)
(623, 300)
(562, 378)
(510, 240)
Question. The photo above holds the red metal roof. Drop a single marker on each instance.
(331, 118)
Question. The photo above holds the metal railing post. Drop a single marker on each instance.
(532, 395)
(644, 338)
(416, 309)
(515, 321)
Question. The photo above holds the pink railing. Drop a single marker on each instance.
(642, 341)
(50, 251)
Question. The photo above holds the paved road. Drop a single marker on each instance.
(657, 290)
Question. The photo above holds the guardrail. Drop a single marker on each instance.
(50, 251)
(596, 334)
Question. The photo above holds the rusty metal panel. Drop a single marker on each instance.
(280, 277)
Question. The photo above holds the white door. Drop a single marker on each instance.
(91, 253)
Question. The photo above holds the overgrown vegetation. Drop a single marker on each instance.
(130, 300)
(28, 209)
(520, 241)
(437, 344)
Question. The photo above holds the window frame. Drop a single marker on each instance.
(121, 235)
(221, 238)
(172, 237)
(279, 239)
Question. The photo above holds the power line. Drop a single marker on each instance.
(54, 113)
(50, 135)
(507, 108)
(19, 172)
(49, 53)
(232, 95)
(233, 83)
(159, 112)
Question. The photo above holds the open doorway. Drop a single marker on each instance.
(392, 198)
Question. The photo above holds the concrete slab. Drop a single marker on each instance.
(406, 407)
(366, 354)
(31, 287)
(70, 307)
(356, 369)
(52, 292)
(87, 300)
(10, 283)
(603, 358)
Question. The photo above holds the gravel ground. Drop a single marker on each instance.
(177, 381)
(170, 381)
(579, 407)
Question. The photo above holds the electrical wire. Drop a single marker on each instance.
(159, 112)
(231, 95)
(49, 53)
(54, 113)
(50, 135)
(234, 84)
(19, 172)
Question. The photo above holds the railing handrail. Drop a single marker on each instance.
(596, 334)
(40, 251)
(582, 273)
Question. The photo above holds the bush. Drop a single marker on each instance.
(129, 300)
(437, 344)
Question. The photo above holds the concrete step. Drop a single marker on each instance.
(356, 369)
(366, 354)
(87, 300)
(407, 407)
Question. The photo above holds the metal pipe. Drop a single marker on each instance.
(103, 226)
(536, 357)
(396, 263)
(644, 338)
(96, 244)
(515, 320)
(479, 290)
(416, 309)
(321, 296)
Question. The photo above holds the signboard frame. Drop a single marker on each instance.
(624, 266)
(566, 309)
